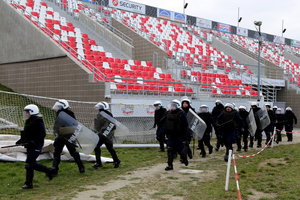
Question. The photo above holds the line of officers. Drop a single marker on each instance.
(229, 123)
(32, 138)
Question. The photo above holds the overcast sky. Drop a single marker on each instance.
(270, 12)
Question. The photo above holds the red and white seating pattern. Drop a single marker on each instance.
(270, 51)
(93, 56)
(175, 40)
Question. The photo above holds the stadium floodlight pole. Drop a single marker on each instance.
(258, 24)
(283, 29)
(239, 18)
(184, 6)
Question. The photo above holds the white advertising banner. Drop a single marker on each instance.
(295, 43)
(132, 108)
(242, 31)
(263, 81)
(204, 23)
(278, 39)
(128, 5)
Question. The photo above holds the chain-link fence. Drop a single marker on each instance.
(11, 116)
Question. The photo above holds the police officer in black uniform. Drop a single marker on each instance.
(105, 130)
(186, 106)
(291, 120)
(270, 128)
(245, 130)
(160, 111)
(63, 106)
(207, 118)
(230, 124)
(258, 132)
(281, 120)
(176, 130)
(33, 138)
(215, 114)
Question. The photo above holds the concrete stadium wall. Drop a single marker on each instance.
(53, 77)
(291, 98)
(31, 63)
(143, 49)
(292, 57)
(21, 40)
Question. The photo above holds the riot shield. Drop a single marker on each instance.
(262, 118)
(196, 125)
(250, 120)
(115, 127)
(75, 134)
(104, 126)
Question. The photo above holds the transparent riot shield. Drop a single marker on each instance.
(74, 133)
(196, 124)
(250, 120)
(120, 131)
(263, 119)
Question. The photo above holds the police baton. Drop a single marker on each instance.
(15, 145)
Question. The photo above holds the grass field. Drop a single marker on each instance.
(273, 174)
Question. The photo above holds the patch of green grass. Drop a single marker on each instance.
(274, 172)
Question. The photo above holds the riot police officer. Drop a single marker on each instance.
(207, 118)
(33, 138)
(281, 120)
(105, 130)
(160, 111)
(270, 128)
(186, 106)
(245, 130)
(215, 114)
(275, 108)
(291, 120)
(230, 123)
(258, 132)
(176, 130)
(63, 106)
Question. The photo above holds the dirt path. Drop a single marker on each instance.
(149, 177)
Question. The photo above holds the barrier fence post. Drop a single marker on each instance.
(228, 170)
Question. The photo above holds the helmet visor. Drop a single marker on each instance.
(57, 106)
(173, 106)
(203, 109)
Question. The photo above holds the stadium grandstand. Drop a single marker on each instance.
(95, 51)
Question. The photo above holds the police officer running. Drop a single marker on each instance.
(281, 120)
(33, 138)
(258, 132)
(270, 128)
(160, 111)
(105, 132)
(215, 114)
(176, 129)
(245, 130)
(63, 106)
(207, 118)
(291, 120)
(230, 124)
(186, 106)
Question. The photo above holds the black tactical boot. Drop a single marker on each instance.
(27, 186)
(51, 173)
(117, 163)
(169, 167)
(226, 158)
(96, 165)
